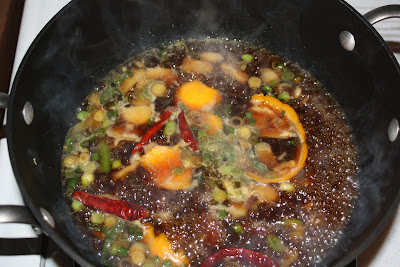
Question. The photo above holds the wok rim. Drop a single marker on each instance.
(49, 231)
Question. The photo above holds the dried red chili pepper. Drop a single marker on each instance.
(254, 258)
(186, 134)
(151, 132)
(123, 209)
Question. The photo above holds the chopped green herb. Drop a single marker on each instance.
(128, 73)
(252, 122)
(273, 83)
(202, 133)
(105, 157)
(82, 115)
(116, 164)
(229, 130)
(95, 156)
(155, 259)
(105, 123)
(170, 128)
(136, 232)
(287, 75)
(253, 140)
(237, 227)
(219, 195)
(222, 213)
(77, 205)
(178, 170)
(167, 263)
(275, 243)
(292, 142)
(278, 67)
(283, 96)
(116, 250)
(248, 115)
(260, 166)
(109, 95)
(267, 88)
(72, 182)
(97, 217)
(247, 57)
(111, 115)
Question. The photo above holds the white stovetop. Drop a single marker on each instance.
(383, 252)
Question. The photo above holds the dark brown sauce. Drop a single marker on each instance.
(325, 188)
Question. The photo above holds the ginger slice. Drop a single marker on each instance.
(130, 82)
(141, 76)
(234, 71)
(121, 174)
(196, 66)
(212, 57)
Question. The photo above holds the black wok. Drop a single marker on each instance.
(88, 38)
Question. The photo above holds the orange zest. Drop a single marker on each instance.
(275, 119)
(206, 121)
(198, 96)
(166, 168)
(161, 246)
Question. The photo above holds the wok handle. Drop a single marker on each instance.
(382, 13)
(17, 214)
(20, 246)
(4, 100)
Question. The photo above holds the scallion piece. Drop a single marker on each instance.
(87, 179)
(219, 195)
(82, 115)
(237, 227)
(253, 140)
(166, 263)
(121, 251)
(222, 213)
(128, 73)
(170, 128)
(287, 75)
(97, 218)
(116, 164)
(267, 88)
(95, 156)
(248, 115)
(276, 243)
(201, 133)
(283, 96)
(105, 157)
(247, 57)
(230, 130)
(77, 205)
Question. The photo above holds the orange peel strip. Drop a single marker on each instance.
(273, 108)
(161, 246)
(161, 161)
